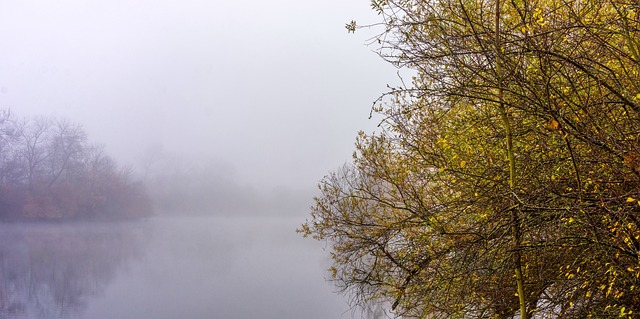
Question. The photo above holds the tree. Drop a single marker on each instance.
(505, 180)
(50, 171)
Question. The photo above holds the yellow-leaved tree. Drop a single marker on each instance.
(504, 182)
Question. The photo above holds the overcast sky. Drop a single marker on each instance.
(275, 91)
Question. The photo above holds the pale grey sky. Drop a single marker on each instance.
(275, 90)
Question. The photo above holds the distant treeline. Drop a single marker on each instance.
(50, 171)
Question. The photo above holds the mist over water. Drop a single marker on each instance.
(166, 267)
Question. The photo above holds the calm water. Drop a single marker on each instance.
(165, 268)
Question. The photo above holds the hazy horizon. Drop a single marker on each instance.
(272, 92)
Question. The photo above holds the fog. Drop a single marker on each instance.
(230, 112)
(276, 90)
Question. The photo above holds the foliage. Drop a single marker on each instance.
(49, 171)
(506, 177)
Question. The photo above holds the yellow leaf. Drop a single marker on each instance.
(631, 200)
(552, 124)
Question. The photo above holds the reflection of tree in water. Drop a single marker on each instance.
(52, 271)
(375, 311)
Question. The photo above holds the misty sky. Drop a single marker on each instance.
(272, 91)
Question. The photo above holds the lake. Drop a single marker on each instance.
(166, 267)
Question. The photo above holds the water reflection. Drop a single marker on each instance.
(228, 268)
(54, 271)
(165, 268)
